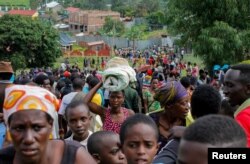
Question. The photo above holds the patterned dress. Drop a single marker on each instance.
(149, 97)
(109, 125)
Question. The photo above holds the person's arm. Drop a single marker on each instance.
(146, 106)
(61, 113)
(130, 112)
(135, 103)
(1, 117)
(61, 129)
(145, 100)
(83, 157)
(92, 106)
(168, 154)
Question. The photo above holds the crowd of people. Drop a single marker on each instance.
(172, 112)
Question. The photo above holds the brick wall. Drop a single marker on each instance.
(91, 19)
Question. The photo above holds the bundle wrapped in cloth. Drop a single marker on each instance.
(118, 74)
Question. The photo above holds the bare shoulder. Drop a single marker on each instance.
(83, 157)
(131, 112)
(56, 144)
(55, 150)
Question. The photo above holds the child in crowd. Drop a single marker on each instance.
(139, 139)
(78, 117)
(104, 146)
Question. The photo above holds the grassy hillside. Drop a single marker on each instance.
(194, 59)
(25, 3)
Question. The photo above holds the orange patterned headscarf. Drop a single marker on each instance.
(24, 97)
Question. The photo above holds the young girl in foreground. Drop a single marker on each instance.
(139, 139)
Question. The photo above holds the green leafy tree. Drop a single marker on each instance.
(34, 4)
(119, 6)
(216, 29)
(28, 42)
(135, 33)
(156, 20)
(95, 4)
(86, 4)
(146, 7)
(217, 40)
(112, 27)
(124, 7)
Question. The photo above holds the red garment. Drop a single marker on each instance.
(165, 60)
(103, 64)
(151, 61)
(109, 125)
(149, 72)
(66, 74)
(243, 118)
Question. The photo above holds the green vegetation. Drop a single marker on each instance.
(25, 3)
(112, 27)
(245, 62)
(78, 61)
(28, 43)
(77, 47)
(193, 59)
(153, 34)
(219, 31)
(72, 60)
(130, 8)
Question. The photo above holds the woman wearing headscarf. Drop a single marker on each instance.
(173, 98)
(29, 113)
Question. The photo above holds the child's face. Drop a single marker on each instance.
(111, 151)
(155, 83)
(79, 122)
(140, 144)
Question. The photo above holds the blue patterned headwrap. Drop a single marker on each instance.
(170, 92)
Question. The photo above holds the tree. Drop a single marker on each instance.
(217, 40)
(146, 7)
(96, 4)
(156, 20)
(113, 27)
(218, 25)
(34, 4)
(135, 33)
(28, 42)
(90, 4)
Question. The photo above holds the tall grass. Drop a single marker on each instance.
(25, 3)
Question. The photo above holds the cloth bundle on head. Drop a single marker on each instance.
(118, 74)
(170, 92)
(24, 97)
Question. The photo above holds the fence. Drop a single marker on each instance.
(125, 42)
